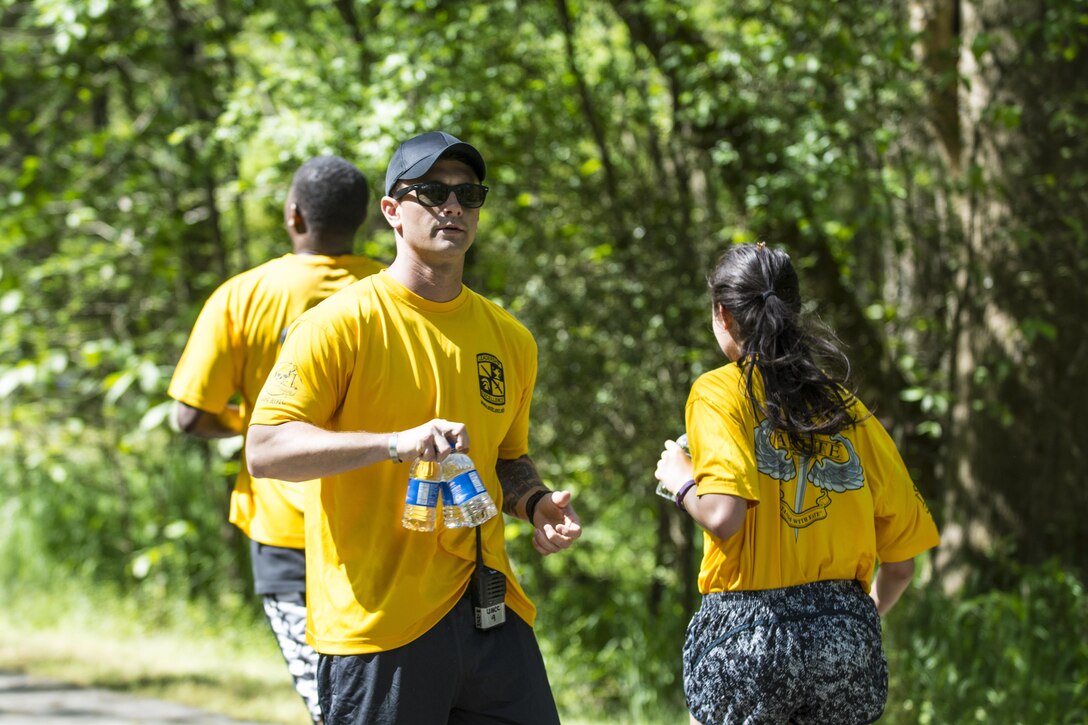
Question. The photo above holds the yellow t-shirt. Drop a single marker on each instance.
(832, 515)
(380, 358)
(232, 348)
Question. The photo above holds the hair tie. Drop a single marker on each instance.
(769, 293)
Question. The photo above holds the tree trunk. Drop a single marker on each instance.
(1013, 485)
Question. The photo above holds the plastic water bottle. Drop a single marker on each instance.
(682, 441)
(421, 502)
(452, 515)
(467, 491)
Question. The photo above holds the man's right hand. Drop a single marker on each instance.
(433, 441)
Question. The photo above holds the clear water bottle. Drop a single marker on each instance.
(682, 441)
(421, 503)
(452, 515)
(467, 491)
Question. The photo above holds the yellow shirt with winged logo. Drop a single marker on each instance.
(830, 515)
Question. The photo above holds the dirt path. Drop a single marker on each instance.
(30, 701)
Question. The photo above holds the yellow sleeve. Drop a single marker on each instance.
(904, 526)
(722, 450)
(516, 442)
(208, 373)
(309, 380)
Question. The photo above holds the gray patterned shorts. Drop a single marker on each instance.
(810, 653)
(287, 615)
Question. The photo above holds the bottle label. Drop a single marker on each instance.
(422, 493)
(465, 486)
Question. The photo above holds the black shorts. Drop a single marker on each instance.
(452, 674)
(805, 654)
(277, 569)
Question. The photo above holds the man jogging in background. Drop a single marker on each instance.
(411, 364)
(230, 352)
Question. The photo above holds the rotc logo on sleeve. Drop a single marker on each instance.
(492, 382)
(282, 384)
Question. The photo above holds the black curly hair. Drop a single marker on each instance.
(331, 194)
(804, 372)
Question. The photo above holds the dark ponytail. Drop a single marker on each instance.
(804, 373)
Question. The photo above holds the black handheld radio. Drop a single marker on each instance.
(488, 592)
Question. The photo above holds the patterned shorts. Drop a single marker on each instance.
(805, 654)
(287, 615)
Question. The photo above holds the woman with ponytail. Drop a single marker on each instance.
(811, 520)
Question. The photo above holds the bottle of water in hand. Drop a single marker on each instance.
(682, 441)
(421, 502)
(467, 493)
(452, 515)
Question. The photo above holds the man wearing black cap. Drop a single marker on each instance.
(406, 365)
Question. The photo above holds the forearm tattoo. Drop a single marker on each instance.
(517, 477)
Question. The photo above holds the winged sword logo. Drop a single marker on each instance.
(834, 467)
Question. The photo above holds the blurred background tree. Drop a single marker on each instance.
(923, 163)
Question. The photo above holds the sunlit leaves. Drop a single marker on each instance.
(145, 157)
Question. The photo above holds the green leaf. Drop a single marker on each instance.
(117, 384)
(590, 167)
(156, 416)
(912, 395)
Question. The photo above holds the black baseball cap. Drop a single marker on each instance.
(417, 155)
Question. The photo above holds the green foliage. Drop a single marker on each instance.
(1012, 656)
(145, 149)
(104, 512)
(610, 654)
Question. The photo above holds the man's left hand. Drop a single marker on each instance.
(556, 525)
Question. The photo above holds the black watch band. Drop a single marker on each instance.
(530, 505)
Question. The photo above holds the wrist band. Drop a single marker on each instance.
(530, 505)
(393, 455)
(681, 492)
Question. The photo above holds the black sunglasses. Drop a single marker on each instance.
(435, 193)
